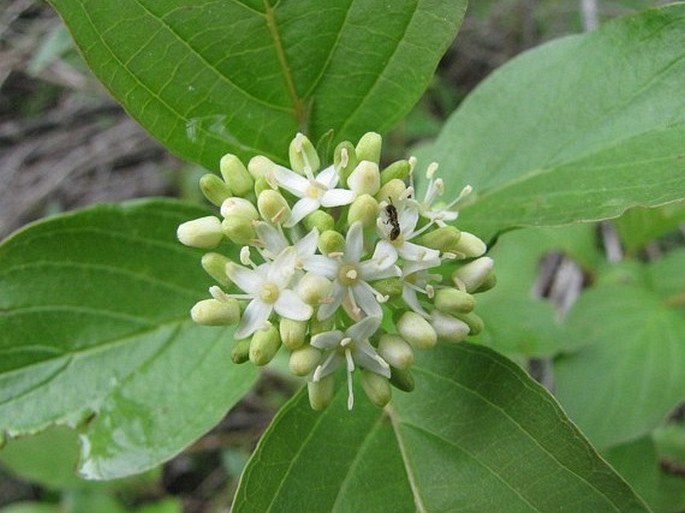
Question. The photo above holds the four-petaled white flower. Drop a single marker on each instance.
(407, 217)
(312, 191)
(416, 278)
(352, 347)
(266, 287)
(275, 242)
(435, 189)
(350, 276)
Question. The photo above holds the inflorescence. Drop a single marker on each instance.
(341, 265)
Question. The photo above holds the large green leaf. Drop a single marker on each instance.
(475, 435)
(578, 129)
(95, 332)
(628, 375)
(209, 77)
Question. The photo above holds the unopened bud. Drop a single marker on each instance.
(364, 209)
(292, 332)
(489, 282)
(369, 147)
(398, 170)
(214, 189)
(260, 167)
(264, 345)
(401, 379)
(389, 286)
(321, 392)
(241, 351)
(204, 232)
(392, 191)
(320, 220)
(303, 154)
(261, 185)
(273, 207)
(443, 239)
(239, 229)
(474, 322)
(212, 312)
(416, 330)
(312, 288)
(304, 360)
(395, 350)
(235, 206)
(331, 241)
(377, 388)
(236, 175)
(316, 326)
(451, 300)
(215, 265)
(345, 160)
(449, 328)
(472, 275)
(470, 246)
(365, 179)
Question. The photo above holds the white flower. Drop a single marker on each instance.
(313, 192)
(436, 188)
(266, 286)
(353, 347)
(275, 242)
(350, 276)
(416, 278)
(407, 218)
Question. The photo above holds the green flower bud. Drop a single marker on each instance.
(377, 388)
(389, 286)
(365, 179)
(260, 167)
(489, 282)
(320, 220)
(443, 239)
(451, 300)
(345, 160)
(212, 312)
(393, 190)
(321, 393)
(474, 322)
(472, 275)
(214, 189)
(241, 351)
(398, 170)
(239, 229)
(264, 345)
(215, 265)
(401, 379)
(369, 147)
(302, 154)
(239, 207)
(365, 209)
(449, 328)
(292, 333)
(261, 185)
(316, 326)
(273, 207)
(416, 330)
(304, 360)
(331, 241)
(312, 288)
(204, 232)
(236, 175)
(395, 350)
(469, 246)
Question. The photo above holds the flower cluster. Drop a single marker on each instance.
(341, 265)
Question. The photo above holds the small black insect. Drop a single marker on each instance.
(392, 220)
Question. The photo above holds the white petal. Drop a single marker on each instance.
(328, 309)
(416, 253)
(290, 306)
(337, 197)
(364, 328)
(274, 241)
(282, 268)
(322, 265)
(329, 177)
(329, 365)
(327, 339)
(246, 279)
(302, 208)
(370, 273)
(306, 246)
(408, 218)
(367, 357)
(366, 299)
(291, 181)
(409, 297)
(410, 267)
(354, 242)
(254, 317)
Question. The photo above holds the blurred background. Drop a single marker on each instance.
(65, 143)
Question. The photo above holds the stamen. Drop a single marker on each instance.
(246, 258)
(432, 168)
(430, 291)
(344, 157)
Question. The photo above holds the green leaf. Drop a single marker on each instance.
(477, 434)
(95, 333)
(578, 129)
(638, 226)
(628, 375)
(31, 507)
(210, 77)
(667, 279)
